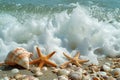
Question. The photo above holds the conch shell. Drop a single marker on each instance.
(18, 56)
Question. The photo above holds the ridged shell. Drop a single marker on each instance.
(18, 56)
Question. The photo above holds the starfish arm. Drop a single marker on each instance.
(77, 63)
(39, 52)
(41, 64)
(77, 55)
(65, 64)
(83, 61)
(51, 63)
(34, 61)
(50, 55)
(68, 57)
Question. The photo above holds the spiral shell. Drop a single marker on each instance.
(18, 56)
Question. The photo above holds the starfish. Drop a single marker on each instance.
(75, 60)
(42, 60)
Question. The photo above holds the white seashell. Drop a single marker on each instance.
(44, 69)
(15, 70)
(63, 72)
(56, 70)
(80, 70)
(74, 66)
(28, 77)
(55, 79)
(38, 73)
(36, 78)
(18, 56)
(19, 76)
(106, 68)
(108, 64)
(116, 72)
(70, 65)
(35, 69)
(75, 76)
(101, 73)
(62, 78)
(5, 78)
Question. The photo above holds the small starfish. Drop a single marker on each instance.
(43, 59)
(75, 60)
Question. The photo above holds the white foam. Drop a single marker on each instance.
(61, 32)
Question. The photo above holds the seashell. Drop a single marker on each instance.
(28, 77)
(116, 72)
(18, 56)
(36, 78)
(95, 78)
(80, 70)
(15, 70)
(5, 78)
(63, 72)
(75, 76)
(106, 68)
(35, 69)
(108, 64)
(86, 77)
(96, 68)
(38, 73)
(69, 65)
(101, 73)
(55, 79)
(55, 70)
(44, 69)
(18, 76)
(62, 78)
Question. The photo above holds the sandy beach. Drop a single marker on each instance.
(50, 73)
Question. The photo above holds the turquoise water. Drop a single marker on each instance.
(89, 26)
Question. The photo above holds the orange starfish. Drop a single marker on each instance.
(75, 60)
(42, 60)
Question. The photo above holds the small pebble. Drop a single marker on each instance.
(15, 70)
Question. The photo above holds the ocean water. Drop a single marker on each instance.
(89, 26)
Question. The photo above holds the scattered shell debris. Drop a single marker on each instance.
(107, 71)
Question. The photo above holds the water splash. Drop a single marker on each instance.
(65, 31)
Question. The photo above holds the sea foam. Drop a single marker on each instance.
(60, 32)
